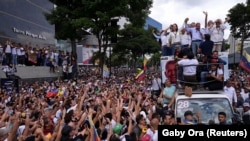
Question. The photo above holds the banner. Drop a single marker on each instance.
(8, 85)
(85, 53)
(168, 69)
(224, 56)
(32, 57)
(105, 72)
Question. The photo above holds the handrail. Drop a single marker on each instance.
(205, 66)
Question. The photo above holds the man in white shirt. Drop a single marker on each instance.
(166, 51)
(244, 93)
(217, 33)
(156, 85)
(14, 54)
(189, 65)
(230, 93)
(153, 131)
(8, 52)
(73, 105)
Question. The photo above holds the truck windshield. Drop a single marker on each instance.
(207, 107)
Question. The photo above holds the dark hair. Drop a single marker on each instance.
(176, 26)
(215, 51)
(68, 116)
(222, 113)
(190, 55)
(113, 137)
(207, 37)
(65, 133)
(138, 118)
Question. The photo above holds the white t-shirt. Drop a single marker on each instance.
(231, 94)
(153, 135)
(72, 108)
(188, 70)
(113, 123)
(8, 49)
(219, 72)
(244, 94)
(156, 84)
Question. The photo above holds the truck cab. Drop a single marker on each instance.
(207, 103)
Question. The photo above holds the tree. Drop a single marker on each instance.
(240, 22)
(73, 16)
(138, 41)
(155, 60)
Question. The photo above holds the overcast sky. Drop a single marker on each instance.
(175, 11)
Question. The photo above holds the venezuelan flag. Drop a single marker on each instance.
(245, 62)
(140, 76)
(87, 61)
(96, 137)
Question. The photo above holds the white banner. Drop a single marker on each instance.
(85, 54)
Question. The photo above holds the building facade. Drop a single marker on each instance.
(152, 23)
(235, 47)
(23, 21)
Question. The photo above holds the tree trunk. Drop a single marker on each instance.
(73, 47)
(242, 45)
(74, 55)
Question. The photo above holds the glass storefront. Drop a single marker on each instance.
(23, 21)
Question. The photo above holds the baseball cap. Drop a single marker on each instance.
(117, 129)
(246, 104)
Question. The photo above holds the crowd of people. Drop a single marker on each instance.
(16, 54)
(19, 54)
(192, 36)
(118, 108)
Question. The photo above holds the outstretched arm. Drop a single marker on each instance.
(205, 13)
(186, 25)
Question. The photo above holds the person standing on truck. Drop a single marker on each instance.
(189, 65)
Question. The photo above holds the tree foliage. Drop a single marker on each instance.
(137, 41)
(71, 17)
(240, 22)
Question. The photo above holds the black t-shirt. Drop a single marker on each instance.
(207, 47)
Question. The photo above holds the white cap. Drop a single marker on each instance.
(246, 104)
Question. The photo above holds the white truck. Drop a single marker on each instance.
(207, 103)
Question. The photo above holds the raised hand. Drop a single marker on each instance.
(205, 12)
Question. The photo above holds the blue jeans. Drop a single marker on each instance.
(203, 77)
(174, 47)
(14, 59)
(166, 51)
(195, 45)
